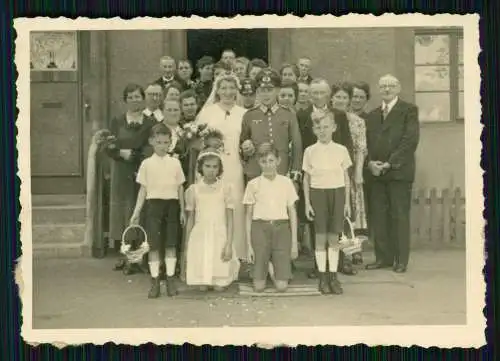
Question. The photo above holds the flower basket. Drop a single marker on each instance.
(134, 243)
(350, 243)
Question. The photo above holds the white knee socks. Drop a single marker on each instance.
(321, 260)
(154, 267)
(170, 265)
(333, 259)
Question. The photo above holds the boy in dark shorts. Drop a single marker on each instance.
(271, 221)
(326, 197)
(161, 179)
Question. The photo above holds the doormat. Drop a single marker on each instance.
(246, 289)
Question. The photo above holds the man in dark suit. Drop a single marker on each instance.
(168, 68)
(392, 139)
(320, 98)
(304, 66)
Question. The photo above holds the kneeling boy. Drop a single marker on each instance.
(271, 221)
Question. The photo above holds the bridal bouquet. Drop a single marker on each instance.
(196, 134)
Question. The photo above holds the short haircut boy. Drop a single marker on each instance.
(159, 129)
(269, 201)
(265, 149)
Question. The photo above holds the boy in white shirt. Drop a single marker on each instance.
(326, 195)
(271, 221)
(161, 179)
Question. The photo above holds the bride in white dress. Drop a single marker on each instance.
(222, 112)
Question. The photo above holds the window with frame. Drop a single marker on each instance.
(439, 75)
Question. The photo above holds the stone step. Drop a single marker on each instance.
(57, 199)
(74, 214)
(59, 250)
(70, 233)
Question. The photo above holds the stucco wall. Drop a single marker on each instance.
(133, 57)
(441, 157)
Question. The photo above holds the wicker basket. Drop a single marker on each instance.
(134, 255)
(350, 244)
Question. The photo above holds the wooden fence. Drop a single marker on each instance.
(438, 220)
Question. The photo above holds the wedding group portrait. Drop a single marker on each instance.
(249, 177)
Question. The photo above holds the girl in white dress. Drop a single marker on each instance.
(209, 205)
(222, 113)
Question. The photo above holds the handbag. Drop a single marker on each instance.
(351, 243)
(130, 249)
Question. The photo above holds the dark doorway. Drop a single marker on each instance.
(251, 43)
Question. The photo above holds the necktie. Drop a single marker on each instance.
(385, 111)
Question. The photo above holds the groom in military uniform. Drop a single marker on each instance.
(269, 122)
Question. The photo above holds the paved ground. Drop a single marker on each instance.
(85, 293)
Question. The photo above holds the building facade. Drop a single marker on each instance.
(77, 79)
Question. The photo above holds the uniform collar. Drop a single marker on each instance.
(273, 108)
(168, 80)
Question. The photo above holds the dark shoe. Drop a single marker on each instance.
(400, 268)
(129, 269)
(334, 284)
(348, 269)
(154, 292)
(357, 258)
(377, 265)
(313, 274)
(323, 286)
(120, 265)
(171, 287)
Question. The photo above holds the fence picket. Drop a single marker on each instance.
(421, 215)
(445, 195)
(458, 215)
(434, 218)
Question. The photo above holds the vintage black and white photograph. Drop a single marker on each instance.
(256, 179)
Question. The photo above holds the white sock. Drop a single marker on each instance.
(333, 259)
(270, 268)
(154, 267)
(170, 265)
(321, 260)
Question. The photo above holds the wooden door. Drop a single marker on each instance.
(251, 43)
(57, 114)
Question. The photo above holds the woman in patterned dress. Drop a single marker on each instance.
(341, 98)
